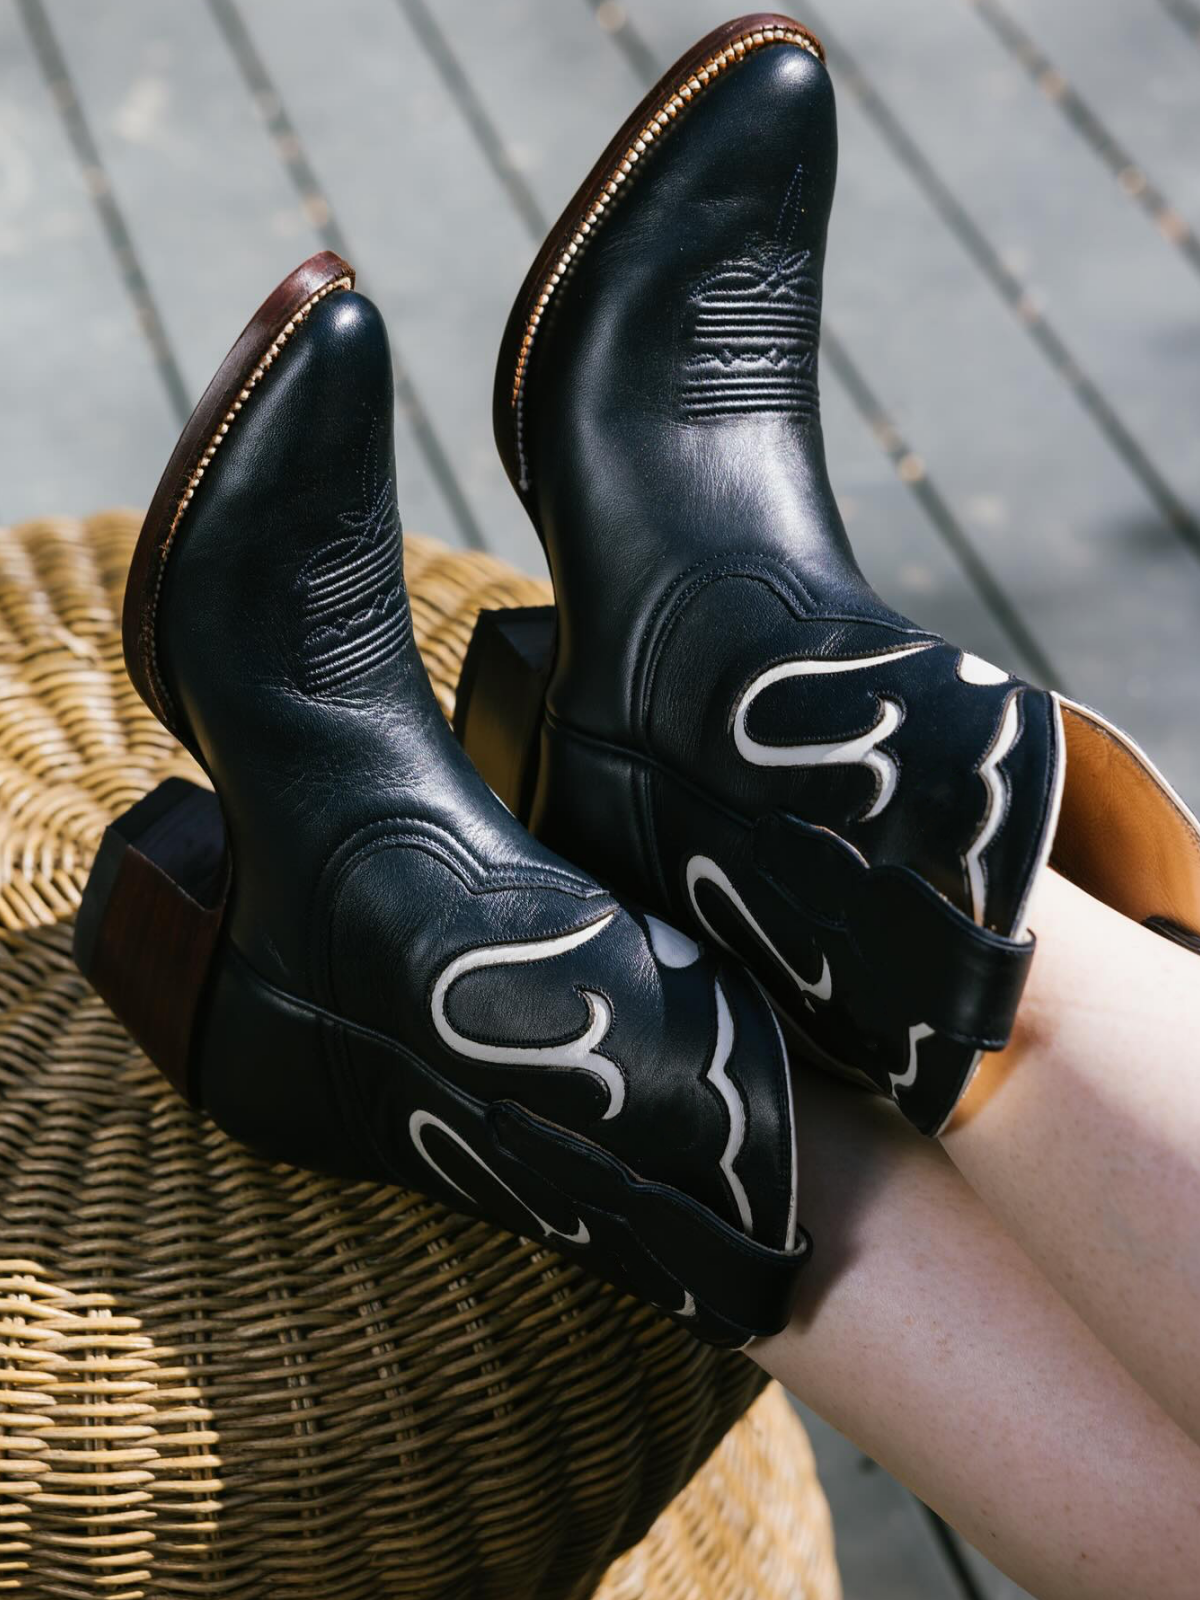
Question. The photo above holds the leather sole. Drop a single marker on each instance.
(236, 379)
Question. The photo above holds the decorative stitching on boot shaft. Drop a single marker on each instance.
(265, 362)
(753, 327)
(674, 103)
(354, 606)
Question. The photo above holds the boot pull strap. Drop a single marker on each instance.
(962, 980)
(929, 962)
(732, 1289)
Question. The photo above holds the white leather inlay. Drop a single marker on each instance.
(420, 1120)
(906, 1079)
(789, 1238)
(862, 750)
(703, 869)
(728, 1091)
(579, 1054)
(671, 948)
(974, 669)
(989, 771)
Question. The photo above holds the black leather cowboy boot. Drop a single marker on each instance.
(351, 955)
(737, 729)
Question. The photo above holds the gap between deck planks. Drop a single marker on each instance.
(437, 241)
(1105, 301)
(175, 116)
(70, 331)
(1081, 57)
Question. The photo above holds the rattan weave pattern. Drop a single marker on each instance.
(77, 746)
(224, 1378)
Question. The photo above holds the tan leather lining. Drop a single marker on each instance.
(1123, 835)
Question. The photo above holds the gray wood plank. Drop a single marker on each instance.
(436, 239)
(1137, 76)
(1063, 520)
(217, 222)
(552, 88)
(552, 111)
(895, 544)
(87, 422)
(1125, 305)
(216, 219)
(1186, 15)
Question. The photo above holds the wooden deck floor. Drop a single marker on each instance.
(1012, 347)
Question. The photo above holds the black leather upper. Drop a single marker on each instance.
(733, 708)
(475, 998)
(632, 486)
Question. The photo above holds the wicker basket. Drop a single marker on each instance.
(221, 1377)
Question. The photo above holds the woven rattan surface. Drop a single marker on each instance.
(220, 1377)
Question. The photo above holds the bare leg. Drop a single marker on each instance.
(1083, 1137)
(928, 1337)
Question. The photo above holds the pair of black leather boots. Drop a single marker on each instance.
(356, 958)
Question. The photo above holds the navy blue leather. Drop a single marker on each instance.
(732, 707)
(397, 947)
